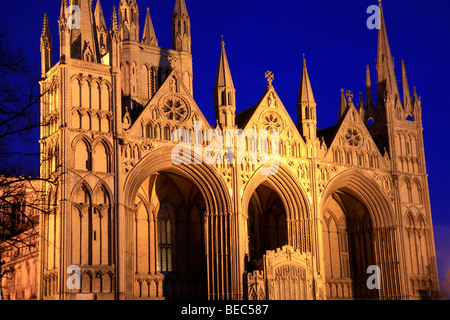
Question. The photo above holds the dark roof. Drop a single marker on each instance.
(244, 117)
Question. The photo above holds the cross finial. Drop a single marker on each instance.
(221, 37)
(304, 57)
(269, 77)
(349, 96)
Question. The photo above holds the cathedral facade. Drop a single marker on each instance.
(345, 215)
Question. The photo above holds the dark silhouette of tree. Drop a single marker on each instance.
(445, 287)
(22, 190)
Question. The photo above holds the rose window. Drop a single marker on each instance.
(272, 122)
(353, 137)
(174, 109)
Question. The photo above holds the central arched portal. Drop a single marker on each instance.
(348, 243)
(267, 224)
(169, 239)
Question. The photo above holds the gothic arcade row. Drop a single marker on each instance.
(140, 226)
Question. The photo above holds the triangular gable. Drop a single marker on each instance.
(173, 89)
(351, 134)
(269, 113)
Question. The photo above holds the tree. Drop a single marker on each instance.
(445, 287)
(22, 190)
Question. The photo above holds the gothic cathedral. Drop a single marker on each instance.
(345, 203)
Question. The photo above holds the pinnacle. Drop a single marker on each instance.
(149, 36)
(223, 77)
(305, 93)
(180, 8)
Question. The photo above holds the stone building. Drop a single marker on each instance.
(140, 225)
(19, 242)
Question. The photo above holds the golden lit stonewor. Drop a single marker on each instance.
(140, 227)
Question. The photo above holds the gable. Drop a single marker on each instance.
(352, 144)
(270, 113)
(172, 106)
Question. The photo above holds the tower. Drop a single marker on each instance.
(224, 93)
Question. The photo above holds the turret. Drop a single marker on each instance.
(306, 107)
(224, 93)
(181, 27)
(46, 48)
(129, 20)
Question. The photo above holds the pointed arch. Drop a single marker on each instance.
(101, 155)
(82, 154)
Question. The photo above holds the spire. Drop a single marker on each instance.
(387, 82)
(149, 36)
(180, 8)
(46, 28)
(416, 97)
(361, 100)
(181, 27)
(306, 107)
(224, 92)
(84, 42)
(369, 94)
(305, 94)
(99, 17)
(342, 105)
(406, 92)
(102, 30)
(114, 21)
(63, 16)
(46, 47)
(223, 76)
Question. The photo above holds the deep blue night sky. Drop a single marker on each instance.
(272, 35)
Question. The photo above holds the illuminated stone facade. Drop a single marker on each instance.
(140, 226)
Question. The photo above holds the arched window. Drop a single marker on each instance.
(101, 158)
(224, 98)
(83, 156)
(164, 231)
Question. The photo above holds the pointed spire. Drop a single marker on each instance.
(387, 81)
(369, 94)
(223, 76)
(342, 105)
(63, 15)
(46, 47)
(361, 100)
(224, 92)
(406, 92)
(306, 107)
(180, 8)
(84, 42)
(305, 94)
(46, 28)
(114, 21)
(99, 17)
(416, 97)
(149, 36)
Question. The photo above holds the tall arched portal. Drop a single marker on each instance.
(347, 233)
(169, 239)
(267, 224)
